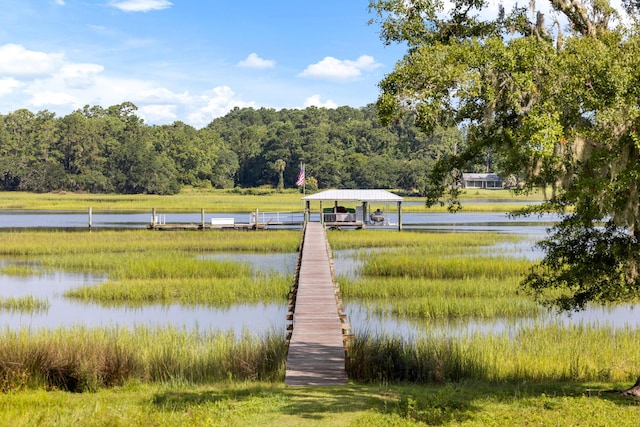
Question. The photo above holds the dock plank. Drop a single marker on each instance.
(316, 348)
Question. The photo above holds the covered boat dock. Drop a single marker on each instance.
(337, 215)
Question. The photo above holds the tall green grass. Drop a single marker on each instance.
(82, 359)
(449, 309)
(441, 243)
(146, 267)
(440, 299)
(421, 265)
(213, 292)
(235, 200)
(438, 276)
(188, 200)
(18, 270)
(38, 243)
(398, 288)
(24, 304)
(535, 353)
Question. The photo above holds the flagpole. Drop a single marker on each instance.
(302, 179)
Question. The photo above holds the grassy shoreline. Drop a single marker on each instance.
(236, 201)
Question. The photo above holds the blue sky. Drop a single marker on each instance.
(189, 60)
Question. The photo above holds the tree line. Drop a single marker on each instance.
(112, 150)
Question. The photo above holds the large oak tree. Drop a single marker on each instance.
(554, 90)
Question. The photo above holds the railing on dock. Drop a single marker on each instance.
(277, 218)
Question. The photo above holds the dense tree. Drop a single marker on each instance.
(99, 149)
(559, 104)
(279, 165)
(327, 141)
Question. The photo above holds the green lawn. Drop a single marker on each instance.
(262, 404)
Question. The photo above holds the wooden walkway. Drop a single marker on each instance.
(316, 346)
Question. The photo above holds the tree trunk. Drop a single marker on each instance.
(633, 391)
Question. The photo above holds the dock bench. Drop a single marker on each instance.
(222, 222)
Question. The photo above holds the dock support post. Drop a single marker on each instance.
(90, 217)
(202, 217)
(365, 215)
(154, 217)
(307, 211)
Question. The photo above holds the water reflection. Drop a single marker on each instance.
(284, 264)
(363, 321)
(65, 312)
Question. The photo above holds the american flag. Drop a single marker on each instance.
(300, 181)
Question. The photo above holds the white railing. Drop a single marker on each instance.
(159, 219)
(277, 218)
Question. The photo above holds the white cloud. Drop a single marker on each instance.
(8, 85)
(60, 2)
(80, 76)
(49, 97)
(340, 70)
(40, 80)
(114, 90)
(315, 101)
(214, 103)
(254, 61)
(158, 113)
(17, 61)
(161, 96)
(73, 85)
(141, 5)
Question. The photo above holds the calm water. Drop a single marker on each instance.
(265, 317)
(499, 222)
(69, 312)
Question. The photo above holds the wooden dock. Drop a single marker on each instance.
(195, 226)
(316, 346)
(159, 222)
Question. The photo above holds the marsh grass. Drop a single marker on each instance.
(437, 309)
(422, 265)
(145, 267)
(38, 243)
(25, 304)
(452, 278)
(536, 353)
(438, 300)
(398, 288)
(18, 270)
(438, 276)
(235, 200)
(213, 292)
(442, 243)
(188, 200)
(81, 359)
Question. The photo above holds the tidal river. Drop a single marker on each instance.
(262, 317)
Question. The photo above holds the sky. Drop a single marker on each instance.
(189, 60)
